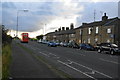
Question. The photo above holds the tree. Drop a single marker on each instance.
(39, 37)
(5, 38)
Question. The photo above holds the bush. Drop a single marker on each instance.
(6, 52)
(6, 58)
(5, 38)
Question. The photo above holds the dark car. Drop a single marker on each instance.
(57, 43)
(52, 44)
(108, 47)
(86, 46)
(73, 45)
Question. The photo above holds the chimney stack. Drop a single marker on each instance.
(84, 23)
(55, 30)
(67, 28)
(63, 28)
(59, 29)
(71, 26)
(104, 18)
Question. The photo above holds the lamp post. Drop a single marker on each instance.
(44, 26)
(17, 21)
(44, 29)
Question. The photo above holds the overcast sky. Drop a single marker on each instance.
(51, 15)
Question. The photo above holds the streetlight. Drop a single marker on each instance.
(44, 29)
(44, 26)
(17, 20)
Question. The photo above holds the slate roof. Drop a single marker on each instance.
(97, 23)
(71, 31)
(101, 23)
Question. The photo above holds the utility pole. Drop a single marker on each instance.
(94, 14)
(44, 29)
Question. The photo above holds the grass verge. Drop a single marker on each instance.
(43, 60)
(0, 64)
(6, 58)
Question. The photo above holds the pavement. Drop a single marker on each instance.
(24, 65)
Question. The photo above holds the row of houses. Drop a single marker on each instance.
(106, 30)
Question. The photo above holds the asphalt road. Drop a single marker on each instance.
(78, 63)
(24, 65)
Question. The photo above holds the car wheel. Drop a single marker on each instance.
(112, 52)
(99, 51)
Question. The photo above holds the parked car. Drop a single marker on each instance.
(86, 46)
(108, 47)
(39, 41)
(44, 42)
(57, 43)
(52, 44)
(61, 43)
(65, 44)
(73, 45)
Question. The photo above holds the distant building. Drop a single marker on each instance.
(62, 35)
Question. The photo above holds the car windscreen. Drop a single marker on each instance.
(114, 45)
(89, 45)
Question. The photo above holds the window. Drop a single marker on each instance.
(80, 31)
(109, 30)
(96, 30)
(96, 39)
(108, 41)
(72, 35)
(89, 30)
(88, 40)
(54, 36)
(84, 41)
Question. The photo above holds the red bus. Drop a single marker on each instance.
(25, 37)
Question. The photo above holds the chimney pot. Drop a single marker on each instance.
(63, 28)
(67, 28)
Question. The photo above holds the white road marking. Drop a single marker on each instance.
(113, 56)
(70, 62)
(77, 53)
(93, 72)
(109, 61)
(82, 54)
(52, 54)
(92, 69)
(77, 70)
(44, 54)
(33, 48)
(57, 57)
(10, 78)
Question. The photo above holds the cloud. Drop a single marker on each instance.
(104, 7)
(119, 9)
(9, 5)
(54, 14)
(60, 0)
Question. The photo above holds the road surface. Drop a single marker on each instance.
(24, 65)
(76, 63)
